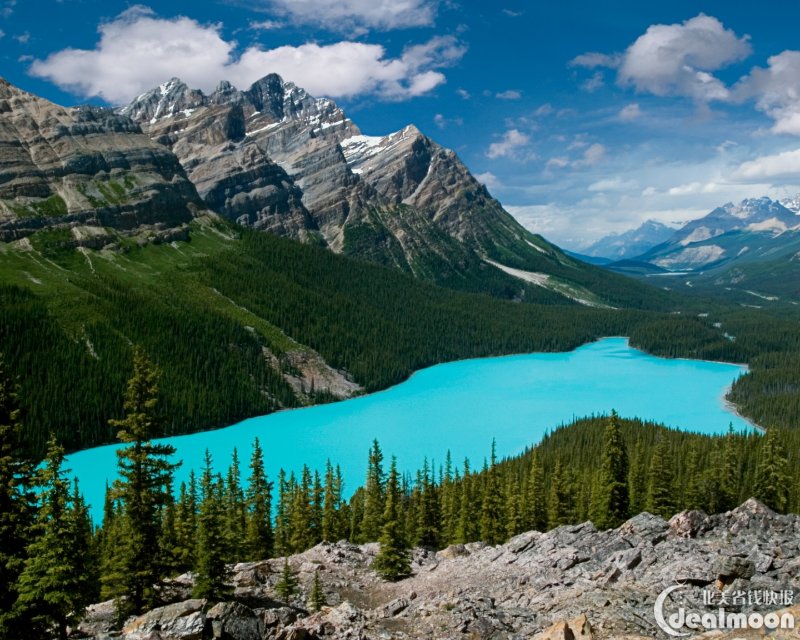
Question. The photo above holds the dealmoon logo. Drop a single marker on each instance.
(675, 623)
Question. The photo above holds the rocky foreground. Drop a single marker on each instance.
(572, 582)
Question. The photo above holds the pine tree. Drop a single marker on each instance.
(492, 531)
(467, 509)
(259, 538)
(16, 506)
(427, 517)
(56, 583)
(286, 587)
(612, 501)
(693, 493)
(392, 562)
(301, 537)
(186, 526)
(143, 489)
(283, 510)
(449, 500)
(210, 570)
(661, 485)
(373, 496)
(727, 474)
(316, 599)
(772, 480)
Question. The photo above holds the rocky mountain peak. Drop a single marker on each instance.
(165, 101)
(792, 203)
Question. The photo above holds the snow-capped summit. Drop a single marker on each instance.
(793, 203)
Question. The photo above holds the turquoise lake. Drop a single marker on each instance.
(460, 406)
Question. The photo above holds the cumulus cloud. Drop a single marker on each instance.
(630, 112)
(776, 90)
(772, 167)
(613, 184)
(594, 153)
(510, 145)
(594, 83)
(463, 94)
(489, 180)
(139, 50)
(677, 59)
(442, 122)
(510, 94)
(356, 15)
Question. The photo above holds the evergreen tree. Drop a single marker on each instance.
(57, 583)
(535, 507)
(449, 501)
(694, 491)
(301, 537)
(332, 497)
(661, 486)
(186, 526)
(235, 511)
(143, 489)
(373, 496)
(16, 506)
(286, 587)
(316, 599)
(259, 540)
(612, 501)
(492, 530)
(210, 570)
(283, 510)
(561, 503)
(468, 509)
(772, 480)
(427, 516)
(392, 562)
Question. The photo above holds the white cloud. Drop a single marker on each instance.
(138, 50)
(594, 83)
(488, 179)
(557, 163)
(463, 94)
(512, 142)
(357, 15)
(693, 188)
(442, 122)
(613, 184)
(776, 90)
(595, 59)
(630, 112)
(676, 59)
(545, 110)
(23, 38)
(513, 14)
(510, 94)
(780, 165)
(266, 25)
(593, 154)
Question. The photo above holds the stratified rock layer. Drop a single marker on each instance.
(84, 168)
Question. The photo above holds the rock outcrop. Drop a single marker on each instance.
(572, 582)
(87, 170)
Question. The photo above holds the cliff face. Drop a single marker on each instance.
(84, 168)
(572, 582)
(277, 159)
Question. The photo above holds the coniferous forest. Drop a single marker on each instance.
(54, 562)
(207, 313)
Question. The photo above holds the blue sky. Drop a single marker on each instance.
(580, 117)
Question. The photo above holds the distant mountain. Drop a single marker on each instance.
(792, 204)
(621, 246)
(724, 235)
(86, 171)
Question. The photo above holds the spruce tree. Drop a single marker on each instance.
(561, 503)
(428, 514)
(373, 496)
(535, 504)
(282, 531)
(301, 537)
(661, 485)
(392, 562)
(286, 587)
(259, 539)
(186, 526)
(612, 501)
(57, 583)
(210, 570)
(316, 599)
(332, 497)
(772, 479)
(235, 511)
(492, 530)
(143, 489)
(467, 510)
(16, 506)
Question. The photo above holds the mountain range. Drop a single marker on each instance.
(748, 251)
(275, 159)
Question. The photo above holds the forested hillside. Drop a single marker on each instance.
(242, 323)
